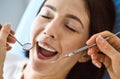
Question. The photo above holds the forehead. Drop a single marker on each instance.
(68, 5)
(72, 7)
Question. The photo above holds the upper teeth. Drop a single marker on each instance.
(47, 48)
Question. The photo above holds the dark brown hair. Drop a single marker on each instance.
(102, 17)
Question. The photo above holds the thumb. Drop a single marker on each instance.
(105, 47)
(4, 32)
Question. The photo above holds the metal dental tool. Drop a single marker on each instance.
(82, 49)
(26, 46)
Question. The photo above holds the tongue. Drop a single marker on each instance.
(47, 53)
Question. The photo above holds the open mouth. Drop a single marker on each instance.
(45, 52)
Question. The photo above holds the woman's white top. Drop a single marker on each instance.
(13, 66)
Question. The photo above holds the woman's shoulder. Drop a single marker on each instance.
(13, 66)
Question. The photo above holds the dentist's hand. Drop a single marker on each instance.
(5, 39)
(111, 53)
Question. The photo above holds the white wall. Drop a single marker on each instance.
(11, 11)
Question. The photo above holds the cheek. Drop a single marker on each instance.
(75, 41)
(32, 33)
(72, 44)
(36, 28)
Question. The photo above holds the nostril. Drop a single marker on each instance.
(52, 36)
(47, 35)
(44, 33)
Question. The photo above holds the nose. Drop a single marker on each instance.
(51, 30)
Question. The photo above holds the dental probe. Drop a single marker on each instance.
(83, 49)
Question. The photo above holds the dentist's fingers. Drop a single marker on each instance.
(98, 59)
(93, 38)
(106, 48)
(95, 60)
(8, 47)
(10, 39)
(11, 31)
(93, 50)
(114, 42)
(110, 48)
(4, 32)
(109, 57)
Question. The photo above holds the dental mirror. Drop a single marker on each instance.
(26, 46)
(82, 49)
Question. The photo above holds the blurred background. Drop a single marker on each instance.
(20, 13)
(12, 11)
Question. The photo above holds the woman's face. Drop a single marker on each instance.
(60, 28)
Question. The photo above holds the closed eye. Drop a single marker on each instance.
(46, 17)
(71, 29)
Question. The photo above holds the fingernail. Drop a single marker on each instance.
(98, 65)
(90, 51)
(101, 40)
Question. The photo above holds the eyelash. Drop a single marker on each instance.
(71, 29)
(46, 17)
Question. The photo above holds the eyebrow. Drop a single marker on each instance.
(68, 15)
(51, 7)
(75, 18)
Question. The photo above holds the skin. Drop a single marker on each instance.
(4, 46)
(63, 39)
(111, 51)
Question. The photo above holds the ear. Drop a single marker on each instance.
(84, 57)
